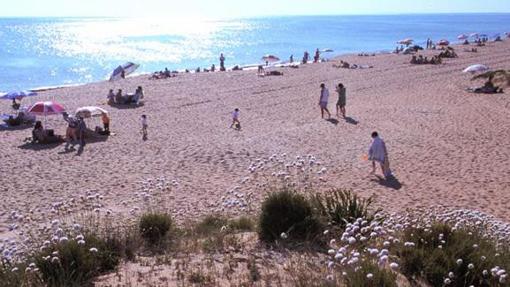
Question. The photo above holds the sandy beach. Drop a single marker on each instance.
(447, 147)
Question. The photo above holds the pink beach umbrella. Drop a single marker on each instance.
(443, 42)
(46, 109)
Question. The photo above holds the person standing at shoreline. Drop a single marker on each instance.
(323, 100)
(222, 62)
(379, 153)
(317, 56)
(340, 104)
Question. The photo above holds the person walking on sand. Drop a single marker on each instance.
(323, 100)
(379, 153)
(106, 122)
(235, 120)
(144, 127)
(340, 104)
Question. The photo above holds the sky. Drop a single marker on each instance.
(240, 8)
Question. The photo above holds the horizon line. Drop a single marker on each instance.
(261, 16)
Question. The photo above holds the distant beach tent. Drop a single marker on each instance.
(407, 42)
(46, 109)
(18, 95)
(128, 68)
(270, 58)
(463, 37)
(478, 68)
(443, 42)
(326, 50)
(91, 111)
(474, 35)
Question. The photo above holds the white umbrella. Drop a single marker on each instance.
(326, 50)
(476, 68)
(270, 58)
(462, 37)
(474, 35)
(407, 41)
(127, 68)
(91, 111)
(443, 42)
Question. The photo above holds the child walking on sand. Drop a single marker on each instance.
(379, 153)
(235, 120)
(144, 127)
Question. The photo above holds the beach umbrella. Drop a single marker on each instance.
(270, 58)
(443, 42)
(407, 41)
(46, 109)
(18, 95)
(462, 37)
(474, 35)
(476, 69)
(326, 50)
(127, 67)
(91, 111)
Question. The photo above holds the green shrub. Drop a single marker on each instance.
(437, 252)
(380, 277)
(154, 227)
(10, 277)
(340, 207)
(242, 223)
(72, 264)
(210, 224)
(290, 213)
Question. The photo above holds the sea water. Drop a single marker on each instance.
(40, 52)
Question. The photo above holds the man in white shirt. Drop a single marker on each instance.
(379, 153)
(323, 100)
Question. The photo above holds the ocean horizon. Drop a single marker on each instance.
(42, 52)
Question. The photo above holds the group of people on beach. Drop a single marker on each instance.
(125, 99)
(340, 104)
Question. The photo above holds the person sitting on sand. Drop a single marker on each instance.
(38, 133)
(110, 98)
(235, 120)
(466, 42)
(138, 95)
(119, 99)
(420, 60)
(340, 104)
(414, 60)
(323, 100)
(15, 105)
(213, 68)
(379, 153)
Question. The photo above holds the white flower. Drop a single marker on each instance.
(451, 275)
(93, 250)
(459, 261)
(63, 239)
(447, 281)
(471, 266)
(502, 279)
(338, 256)
(54, 260)
(81, 242)
(352, 240)
(326, 232)
(331, 264)
(485, 273)
(409, 244)
(283, 235)
(329, 277)
(370, 276)
(475, 246)
(394, 265)
(483, 258)
(331, 251)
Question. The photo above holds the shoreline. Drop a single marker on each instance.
(246, 67)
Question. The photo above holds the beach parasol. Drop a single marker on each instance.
(443, 42)
(474, 35)
(91, 111)
(326, 50)
(270, 58)
(407, 41)
(462, 37)
(17, 95)
(475, 69)
(127, 67)
(46, 109)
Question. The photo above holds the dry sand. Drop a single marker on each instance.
(447, 146)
